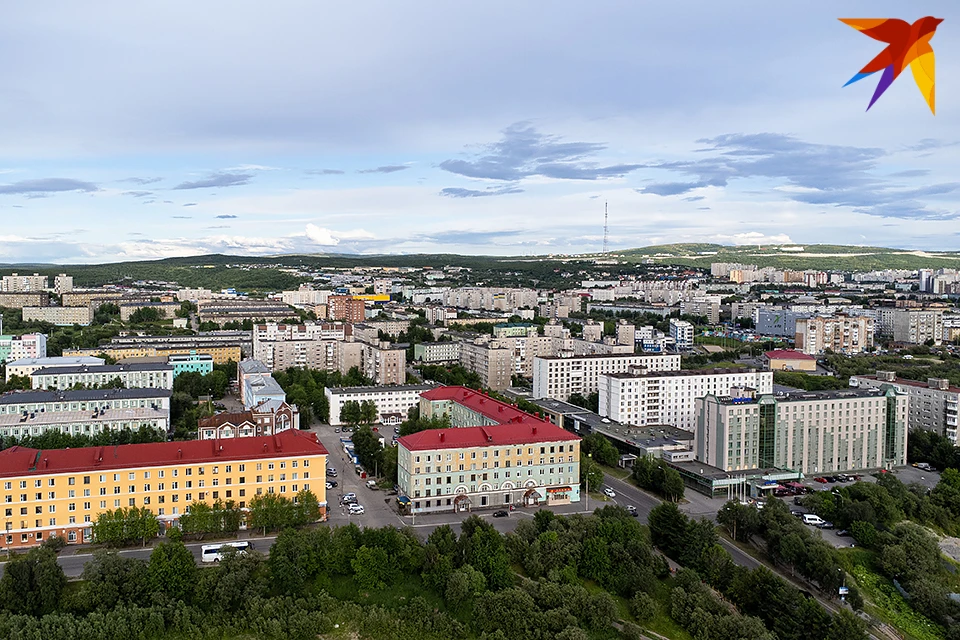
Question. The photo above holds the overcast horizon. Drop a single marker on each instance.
(142, 132)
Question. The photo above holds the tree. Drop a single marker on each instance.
(350, 413)
(668, 527)
(270, 512)
(742, 521)
(110, 579)
(32, 584)
(643, 607)
(372, 568)
(306, 508)
(591, 475)
(846, 626)
(672, 487)
(368, 412)
(172, 571)
(600, 449)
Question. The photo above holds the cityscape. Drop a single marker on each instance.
(552, 367)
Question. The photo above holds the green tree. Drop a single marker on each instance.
(350, 413)
(372, 568)
(368, 412)
(270, 512)
(110, 579)
(668, 527)
(846, 626)
(591, 474)
(32, 584)
(306, 508)
(172, 570)
(672, 487)
(742, 521)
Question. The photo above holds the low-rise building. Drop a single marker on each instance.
(789, 360)
(933, 404)
(165, 477)
(388, 400)
(256, 384)
(266, 419)
(60, 316)
(223, 346)
(641, 397)
(812, 432)
(494, 456)
(434, 352)
(561, 376)
(150, 375)
(29, 345)
(26, 366)
(222, 311)
(41, 401)
(201, 363)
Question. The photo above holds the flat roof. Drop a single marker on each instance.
(56, 361)
(386, 388)
(682, 373)
(253, 366)
(804, 396)
(37, 396)
(105, 368)
(593, 356)
(558, 406)
(909, 383)
(22, 461)
(74, 417)
(787, 354)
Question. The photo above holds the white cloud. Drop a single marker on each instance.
(321, 236)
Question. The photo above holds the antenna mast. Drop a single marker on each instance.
(605, 227)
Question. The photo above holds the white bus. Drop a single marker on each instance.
(214, 552)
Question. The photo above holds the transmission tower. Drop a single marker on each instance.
(606, 229)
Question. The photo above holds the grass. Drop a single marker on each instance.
(883, 601)
(662, 623)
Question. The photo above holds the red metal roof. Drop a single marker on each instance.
(787, 354)
(515, 426)
(20, 461)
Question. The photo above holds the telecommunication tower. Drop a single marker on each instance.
(606, 229)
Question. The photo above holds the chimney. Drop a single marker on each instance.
(534, 430)
(179, 454)
(442, 434)
(46, 462)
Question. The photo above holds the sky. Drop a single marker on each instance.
(136, 131)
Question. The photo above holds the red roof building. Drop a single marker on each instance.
(789, 360)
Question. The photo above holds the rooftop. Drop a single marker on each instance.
(58, 361)
(787, 354)
(501, 412)
(911, 383)
(681, 373)
(104, 368)
(38, 397)
(492, 436)
(339, 391)
(21, 461)
(80, 417)
(596, 356)
(254, 366)
(220, 419)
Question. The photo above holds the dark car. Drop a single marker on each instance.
(825, 525)
(632, 510)
(331, 484)
(501, 514)
(798, 501)
(796, 513)
(843, 533)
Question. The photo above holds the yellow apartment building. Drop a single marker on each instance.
(220, 354)
(63, 491)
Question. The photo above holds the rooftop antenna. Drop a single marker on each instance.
(605, 227)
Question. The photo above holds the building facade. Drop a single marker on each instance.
(789, 360)
(670, 397)
(813, 432)
(933, 405)
(16, 283)
(346, 308)
(132, 376)
(839, 333)
(60, 316)
(389, 400)
(917, 326)
(434, 352)
(201, 363)
(30, 345)
(682, 333)
(493, 364)
(559, 377)
(256, 384)
(62, 492)
(267, 419)
(26, 366)
(494, 456)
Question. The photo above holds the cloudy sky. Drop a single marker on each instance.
(130, 131)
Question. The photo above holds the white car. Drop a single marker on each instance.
(355, 510)
(610, 493)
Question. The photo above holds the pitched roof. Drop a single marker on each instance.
(492, 436)
(23, 461)
(787, 354)
(501, 412)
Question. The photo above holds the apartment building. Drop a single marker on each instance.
(494, 364)
(60, 316)
(305, 297)
(165, 310)
(840, 333)
(491, 298)
(222, 346)
(626, 333)
(514, 330)
(201, 363)
(147, 375)
(310, 345)
(62, 492)
(30, 345)
(706, 306)
(640, 397)
(933, 404)
(346, 308)
(266, 419)
(558, 377)
(682, 333)
(223, 311)
(16, 283)
(915, 326)
(494, 456)
(394, 400)
(91, 297)
(434, 352)
(23, 299)
(812, 432)
(84, 422)
(194, 295)
(382, 362)
(25, 366)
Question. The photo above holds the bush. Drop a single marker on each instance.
(643, 607)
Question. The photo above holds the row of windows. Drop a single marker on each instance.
(496, 453)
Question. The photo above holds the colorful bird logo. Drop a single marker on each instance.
(906, 44)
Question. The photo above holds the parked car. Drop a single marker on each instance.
(355, 509)
(813, 519)
(331, 473)
(825, 525)
(331, 484)
(632, 510)
(503, 513)
(798, 501)
(610, 493)
(820, 479)
(795, 512)
(843, 533)
(337, 430)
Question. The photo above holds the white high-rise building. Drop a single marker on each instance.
(560, 376)
(682, 333)
(670, 397)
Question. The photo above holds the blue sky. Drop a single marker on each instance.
(183, 128)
